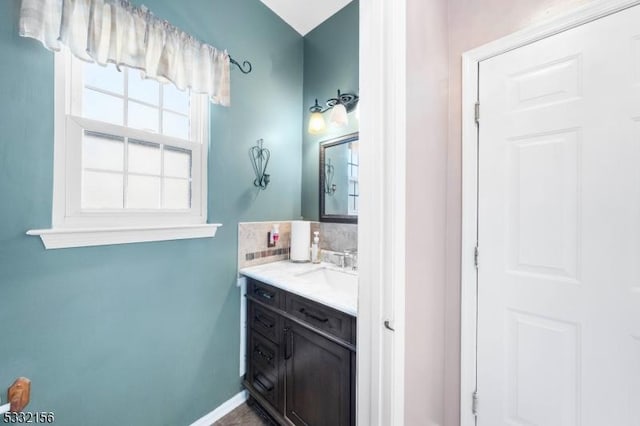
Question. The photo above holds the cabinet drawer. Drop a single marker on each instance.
(264, 354)
(265, 385)
(322, 317)
(263, 321)
(267, 294)
(264, 372)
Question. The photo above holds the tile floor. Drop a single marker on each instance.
(243, 416)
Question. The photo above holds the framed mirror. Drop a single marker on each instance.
(339, 189)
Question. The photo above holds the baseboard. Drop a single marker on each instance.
(224, 409)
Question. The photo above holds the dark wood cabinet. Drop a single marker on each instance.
(264, 372)
(300, 358)
(334, 323)
(317, 379)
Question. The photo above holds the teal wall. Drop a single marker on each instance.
(140, 334)
(331, 62)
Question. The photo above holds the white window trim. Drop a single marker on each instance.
(70, 229)
(68, 238)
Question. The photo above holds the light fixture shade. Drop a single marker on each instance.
(339, 116)
(316, 123)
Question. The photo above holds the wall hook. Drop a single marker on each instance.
(259, 160)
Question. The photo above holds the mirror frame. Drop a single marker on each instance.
(335, 218)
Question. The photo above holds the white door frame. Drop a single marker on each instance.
(381, 221)
(470, 73)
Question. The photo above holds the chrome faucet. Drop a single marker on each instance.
(348, 259)
(351, 254)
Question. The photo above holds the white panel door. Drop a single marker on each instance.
(559, 230)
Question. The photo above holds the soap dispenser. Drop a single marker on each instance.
(315, 251)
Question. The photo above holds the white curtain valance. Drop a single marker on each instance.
(114, 31)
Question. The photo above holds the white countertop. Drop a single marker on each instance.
(305, 279)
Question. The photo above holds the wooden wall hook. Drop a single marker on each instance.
(19, 393)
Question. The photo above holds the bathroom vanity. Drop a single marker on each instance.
(301, 342)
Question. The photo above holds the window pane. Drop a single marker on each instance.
(353, 147)
(177, 162)
(144, 157)
(143, 117)
(145, 90)
(104, 152)
(102, 190)
(175, 125)
(175, 99)
(177, 193)
(106, 78)
(101, 107)
(143, 192)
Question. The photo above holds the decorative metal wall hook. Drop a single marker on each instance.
(259, 160)
(329, 186)
(246, 66)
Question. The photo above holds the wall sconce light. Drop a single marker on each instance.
(339, 106)
(316, 121)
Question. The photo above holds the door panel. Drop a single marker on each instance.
(543, 205)
(559, 229)
(549, 348)
(546, 84)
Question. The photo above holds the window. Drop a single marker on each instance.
(354, 190)
(135, 149)
(129, 152)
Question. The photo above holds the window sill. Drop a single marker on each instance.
(67, 238)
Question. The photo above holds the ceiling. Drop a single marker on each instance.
(305, 15)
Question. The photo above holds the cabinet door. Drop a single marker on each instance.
(318, 379)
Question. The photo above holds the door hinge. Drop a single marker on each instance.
(476, 254)
(477, 112)
(474, 404)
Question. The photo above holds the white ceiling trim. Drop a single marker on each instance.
(305, 15)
